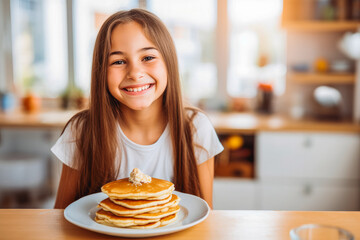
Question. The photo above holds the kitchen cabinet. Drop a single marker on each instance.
(297, 171)
(309, 195)
(308, 171)
(237, 158)
(235, 193)
(308, 155)
(31, 146)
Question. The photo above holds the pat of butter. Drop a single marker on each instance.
(137, 177)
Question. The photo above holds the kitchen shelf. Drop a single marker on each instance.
(322, 78)
(321, 26)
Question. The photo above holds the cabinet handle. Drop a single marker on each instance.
(307, 190)
(307, 142)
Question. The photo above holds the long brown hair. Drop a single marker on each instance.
(96, 139)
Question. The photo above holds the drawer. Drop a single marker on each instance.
(309, 197)
(307, 155)
(229, 193)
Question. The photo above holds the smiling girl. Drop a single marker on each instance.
(136, 117)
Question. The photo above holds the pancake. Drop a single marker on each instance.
(169, 219)
(147, 226)
(165, 209)
(139, 202)
(159, 215)
(109, 219)
(124, 189)
(161, 197)
(105, 217)
(108, 205)
(136, 204)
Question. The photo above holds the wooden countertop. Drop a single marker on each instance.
(247, 123)
(253, 122)
(46, 119)
(51, 224)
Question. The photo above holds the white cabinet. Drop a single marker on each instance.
(308, 155)
(232, 193)
(309, 196)
(308, 171)
(297, 171)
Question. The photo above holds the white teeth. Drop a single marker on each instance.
(139, 89)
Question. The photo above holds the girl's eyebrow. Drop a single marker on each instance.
(140, 50)
(147, 48)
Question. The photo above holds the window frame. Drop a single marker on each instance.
(6, 59)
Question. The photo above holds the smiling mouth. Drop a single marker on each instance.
(138, 89)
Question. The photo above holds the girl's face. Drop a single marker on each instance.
(137, 75)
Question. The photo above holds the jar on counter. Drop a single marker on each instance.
(264, 98)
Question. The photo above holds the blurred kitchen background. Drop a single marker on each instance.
(279, 79)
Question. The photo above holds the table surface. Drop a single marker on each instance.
(229, 224)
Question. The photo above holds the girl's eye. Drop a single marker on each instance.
(148, 58)
(119, 62)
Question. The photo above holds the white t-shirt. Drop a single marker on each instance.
(155, 160)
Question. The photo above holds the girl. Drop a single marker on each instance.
(136, 116)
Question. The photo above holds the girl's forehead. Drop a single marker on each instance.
(130, 34)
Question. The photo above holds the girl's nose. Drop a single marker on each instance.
(135, 71)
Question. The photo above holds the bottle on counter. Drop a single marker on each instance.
(264, 98)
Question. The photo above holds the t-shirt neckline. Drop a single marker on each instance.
(140, 146)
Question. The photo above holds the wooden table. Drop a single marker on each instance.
(51, 224)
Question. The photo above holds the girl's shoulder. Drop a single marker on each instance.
(80, 116)
(205, 139)
(198, 118)
(77, 121)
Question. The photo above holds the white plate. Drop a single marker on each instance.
(193, 210)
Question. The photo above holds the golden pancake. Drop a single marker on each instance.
(174, 204)
(147, 226)
(159, 215)
(124, 189)
(108, 205)
(169, 219)
(141, 203)
(169, 193)
(165, 209)
(111, 219)
(136, 204)
(103, 222)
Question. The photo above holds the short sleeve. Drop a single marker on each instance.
(65, 146)
(207, 144)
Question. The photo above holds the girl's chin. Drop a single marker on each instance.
(137, 107)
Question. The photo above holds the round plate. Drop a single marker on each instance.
(193, 210)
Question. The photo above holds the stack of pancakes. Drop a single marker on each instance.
(148, 205)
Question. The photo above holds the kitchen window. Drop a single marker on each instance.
(221, 52)
(257, 47)
(39, 49)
